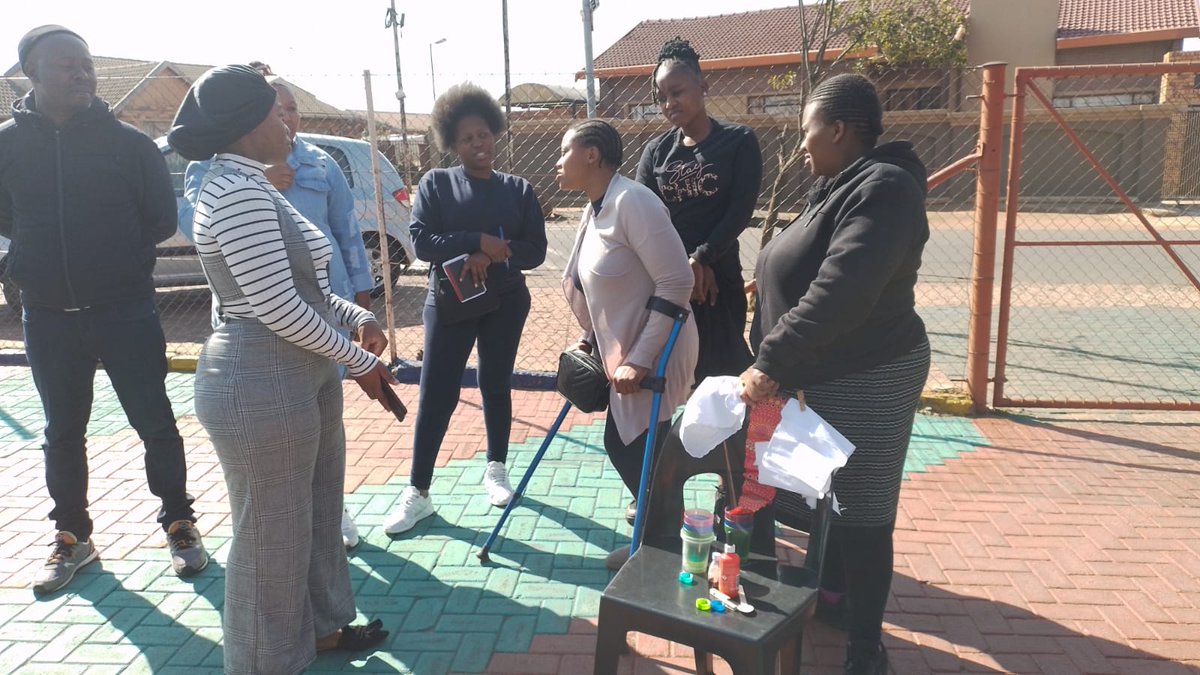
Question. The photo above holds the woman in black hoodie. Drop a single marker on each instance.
(835, 323)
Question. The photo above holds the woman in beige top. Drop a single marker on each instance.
(626, 251)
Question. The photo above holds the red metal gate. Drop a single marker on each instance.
(1099, 298)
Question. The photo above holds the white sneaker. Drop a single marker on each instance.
(495, 479)
(349, 530)
(413, 507)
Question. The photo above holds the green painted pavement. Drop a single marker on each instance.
(447, 613)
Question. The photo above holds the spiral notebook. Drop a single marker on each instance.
(464, 289)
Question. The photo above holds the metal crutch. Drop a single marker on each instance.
(520, 491)
(657, 384)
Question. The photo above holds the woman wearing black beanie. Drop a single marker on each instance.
(267, 386)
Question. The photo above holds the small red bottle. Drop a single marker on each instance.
(731, 569)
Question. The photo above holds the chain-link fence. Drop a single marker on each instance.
(1100, 305)
(937, 110)
(931, 108)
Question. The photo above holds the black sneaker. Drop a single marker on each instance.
(68, 556)
(188, 556)
(865, 658)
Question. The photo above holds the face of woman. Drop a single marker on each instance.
(574, 164)
(270, 142)
(822, 143)
(680, 94)
(288, 109)
(475, 145)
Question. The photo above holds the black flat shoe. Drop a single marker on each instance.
(865, 658)
(354, 638)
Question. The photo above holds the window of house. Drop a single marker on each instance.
(1106, 100)
(642, 111)
(774, 104)
(916, 98)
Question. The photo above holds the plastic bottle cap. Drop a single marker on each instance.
(686, 578)
(718, 606)
(703, 604)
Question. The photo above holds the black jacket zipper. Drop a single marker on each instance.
(62, 219)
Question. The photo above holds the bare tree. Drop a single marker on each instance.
(901, 33)
(831, 24)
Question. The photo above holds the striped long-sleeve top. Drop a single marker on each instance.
(236, 220)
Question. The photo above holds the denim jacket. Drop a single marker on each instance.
(321, 194)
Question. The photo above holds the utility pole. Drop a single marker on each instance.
(508, 145)
(588, 7)
(432, 70)
(396, 24)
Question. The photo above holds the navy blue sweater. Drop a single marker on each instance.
(84, 206)
(453, 210)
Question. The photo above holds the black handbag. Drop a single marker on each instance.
(452, 310)
(582, 381)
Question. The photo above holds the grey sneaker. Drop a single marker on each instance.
(68, 556)
(188, 556)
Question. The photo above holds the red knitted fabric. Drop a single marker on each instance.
(764, 417)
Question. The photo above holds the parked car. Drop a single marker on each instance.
(179, 267)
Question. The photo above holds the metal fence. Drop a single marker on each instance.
(937, 110)
(1100, 300)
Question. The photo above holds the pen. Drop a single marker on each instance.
(506, 265)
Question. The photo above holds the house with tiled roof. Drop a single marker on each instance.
(147, 94)
(741, 52)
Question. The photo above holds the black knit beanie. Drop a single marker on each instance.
(223, 105)
(30, 39)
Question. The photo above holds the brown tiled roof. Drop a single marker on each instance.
(10, 91)
(767, 31)
(416, 123)
(116, 78)
(776, 31)
(1082, 18)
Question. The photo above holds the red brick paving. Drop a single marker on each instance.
(1069, 546)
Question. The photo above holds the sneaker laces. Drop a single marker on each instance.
(181, 536)
(497, 472)
(62, 550)
(411, 496)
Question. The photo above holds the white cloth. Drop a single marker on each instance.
(714, 412)
(802, 454)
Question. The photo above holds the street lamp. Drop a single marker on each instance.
(432, 75)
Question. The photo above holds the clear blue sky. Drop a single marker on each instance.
(325, 47)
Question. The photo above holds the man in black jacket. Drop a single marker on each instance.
(85, 198)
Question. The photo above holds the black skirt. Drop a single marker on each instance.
(722, 327)
(874, 409)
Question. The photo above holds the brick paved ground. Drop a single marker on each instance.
(1049, 544)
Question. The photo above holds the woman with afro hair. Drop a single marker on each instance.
(496, 221)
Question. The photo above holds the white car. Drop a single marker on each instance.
(178, 266)
(353, 156)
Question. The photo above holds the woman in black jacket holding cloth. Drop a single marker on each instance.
(835, 322)
(495, 219)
